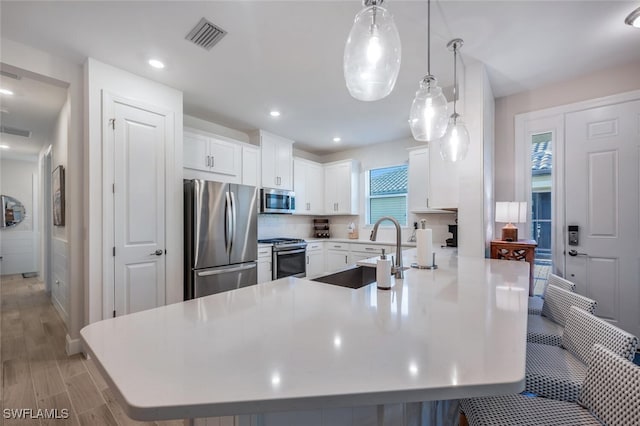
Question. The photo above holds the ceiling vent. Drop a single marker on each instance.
(16, 132)
(206, 34)
(10, 75)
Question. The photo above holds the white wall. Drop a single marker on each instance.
(216, 129)
(602, 83)
(475, 172)
(63, 72)
(101, 78)
(19, 244)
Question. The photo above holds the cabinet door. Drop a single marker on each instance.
(251, 166)
(443, 182)
(284, 165)
(343, 188)
(315, 263)
(315, 188)
(268, 153)
(337, 259)
(225, 157)
(300, 186)
(419, 179)
(196, 151)
(330, 188)
(264, 270)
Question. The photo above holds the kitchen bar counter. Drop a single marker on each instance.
(294, 344)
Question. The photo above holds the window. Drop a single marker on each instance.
(541, 185)
(387, 193)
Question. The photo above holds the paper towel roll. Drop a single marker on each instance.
(383, 273)
(424, 244)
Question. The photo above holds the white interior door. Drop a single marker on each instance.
(139, 208)
(602, 198)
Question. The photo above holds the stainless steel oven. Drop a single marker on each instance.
(289, 257)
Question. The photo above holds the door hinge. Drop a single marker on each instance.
(113, 188)
(112, 123)
(114, 252)
(114, 314)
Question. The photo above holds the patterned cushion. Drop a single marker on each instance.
(563, 283)
(519, 410)
(558, 301)
(541, 330)
(553, 372)
(535, 305)
(611, 390)
(584, 330)
(611, 393)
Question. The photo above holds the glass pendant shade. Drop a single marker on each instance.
(372, 55)
(429, 111)
(455, 144)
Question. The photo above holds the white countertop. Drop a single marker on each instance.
(294, 344)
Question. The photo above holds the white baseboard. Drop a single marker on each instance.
(74, 346)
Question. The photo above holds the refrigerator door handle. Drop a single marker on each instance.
(226, 270)
(228, 224)
(233, 220)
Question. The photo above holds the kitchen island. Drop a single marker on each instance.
(294, 344)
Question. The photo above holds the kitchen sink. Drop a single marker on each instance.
(352, 277)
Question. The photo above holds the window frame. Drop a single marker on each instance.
(368, 196)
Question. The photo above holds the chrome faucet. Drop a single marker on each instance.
(397, 269)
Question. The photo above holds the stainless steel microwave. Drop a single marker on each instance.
(277, 201)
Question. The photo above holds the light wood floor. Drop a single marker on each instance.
(36, 371)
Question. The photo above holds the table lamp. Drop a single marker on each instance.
(511, 212)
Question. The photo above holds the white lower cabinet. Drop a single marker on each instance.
(315, 259)
(337, 256)
(264, 264)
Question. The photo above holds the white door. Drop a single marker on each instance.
(139, 221)
(602, 198)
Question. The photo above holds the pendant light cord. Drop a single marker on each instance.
(429, 37)
(455, 79)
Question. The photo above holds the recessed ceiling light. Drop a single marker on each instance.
(337, 139)
(634, 18)
(3, 146)
(274, 113)
(156, 63)
(6, 92)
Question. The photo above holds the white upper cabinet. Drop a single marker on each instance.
(210, 153)
(308, 184)
(277, 160)
(341, 187)
(251, 165)
(433, 184)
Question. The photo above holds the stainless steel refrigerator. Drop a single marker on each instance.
(221, 237)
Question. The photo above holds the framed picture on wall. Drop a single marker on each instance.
(57, 189)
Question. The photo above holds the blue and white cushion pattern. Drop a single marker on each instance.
(558, 301)
(553, 372)
(563, 283)
(543, 331)
(535, 305)
(583, 330)
(610, 396)
(519, 410)
(611, 390)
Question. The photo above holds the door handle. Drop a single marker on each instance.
(574, 253)
(156, 253)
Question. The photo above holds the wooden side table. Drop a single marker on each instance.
(524, 250)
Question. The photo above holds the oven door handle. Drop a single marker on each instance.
(283, 252)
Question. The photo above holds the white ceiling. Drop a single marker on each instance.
(34, 106)
(288, 54)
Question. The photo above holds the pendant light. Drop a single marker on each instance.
(455, 144)
(372, 53)
(428, 115)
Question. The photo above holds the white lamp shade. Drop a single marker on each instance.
(372, 55)
(511, 211)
